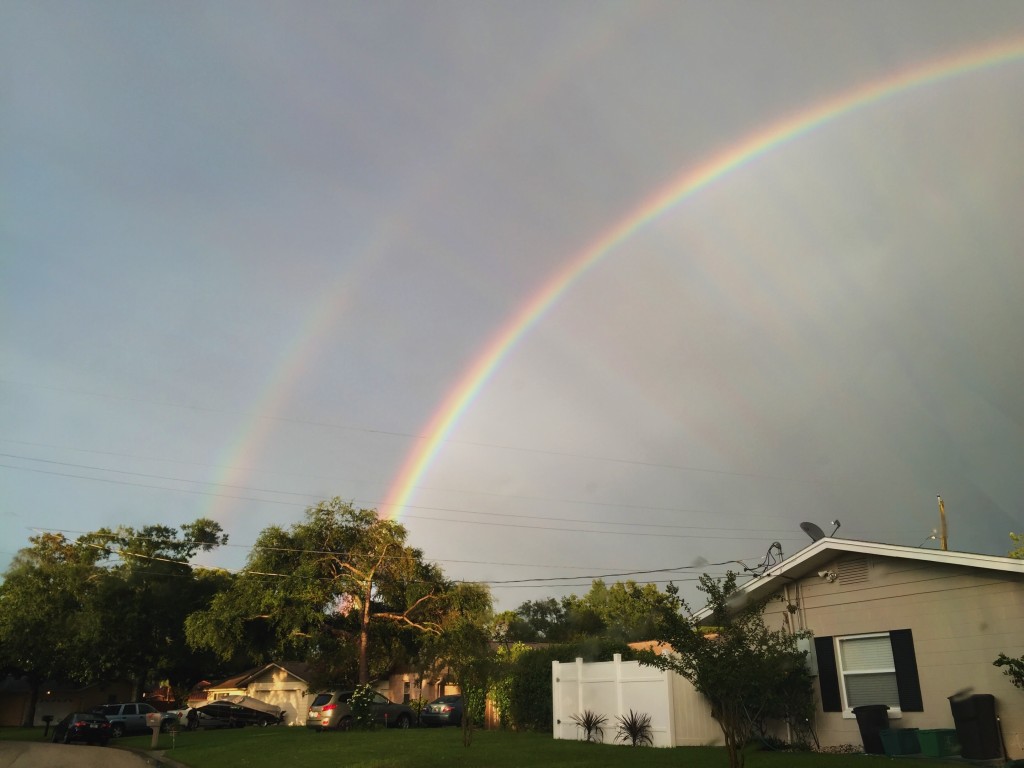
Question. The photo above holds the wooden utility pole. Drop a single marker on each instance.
(943, 538)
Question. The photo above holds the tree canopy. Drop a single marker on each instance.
(108, 604)
(624, 612)
(321, 590)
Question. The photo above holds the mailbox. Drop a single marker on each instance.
(153, 719)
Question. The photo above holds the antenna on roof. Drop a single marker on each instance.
(836, 523)
(812, 530)
(943, 537)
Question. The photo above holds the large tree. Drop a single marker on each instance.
(138, 608)
(321, 589)
(40, 612)
(110, 603)
(735, 661)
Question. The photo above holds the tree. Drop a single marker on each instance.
(464, 647)
(137, 611)
(321, 589)
(68, 614)
(625, 611)
(733, 659)
(40, 612)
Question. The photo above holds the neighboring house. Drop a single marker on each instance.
(901, 626)
(55, 699)
(285, 685)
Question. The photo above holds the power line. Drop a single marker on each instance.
(295, 550)
(412, 517)
(415, 436)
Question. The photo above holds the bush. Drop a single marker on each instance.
(591, 723)
(635, 728)
(362, 714)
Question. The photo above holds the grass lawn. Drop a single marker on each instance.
(437, 747)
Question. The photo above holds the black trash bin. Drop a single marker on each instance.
(976, 727)
(872, 719)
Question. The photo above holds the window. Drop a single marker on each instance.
(867, 671)
(871, 668)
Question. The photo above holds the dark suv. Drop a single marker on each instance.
(129, 718)
(330, 709)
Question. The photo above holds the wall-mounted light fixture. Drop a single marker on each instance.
(828, 576)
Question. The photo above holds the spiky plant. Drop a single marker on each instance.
(635, 728)
(591, 723)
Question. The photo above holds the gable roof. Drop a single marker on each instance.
(825, 550)
(296, 669)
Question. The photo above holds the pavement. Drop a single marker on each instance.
(27, 754)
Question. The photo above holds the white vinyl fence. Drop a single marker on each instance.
(679, 715)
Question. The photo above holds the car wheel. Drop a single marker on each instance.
(117, 730)
(345, 724)
(404, 721)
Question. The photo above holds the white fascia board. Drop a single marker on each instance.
(826, 549)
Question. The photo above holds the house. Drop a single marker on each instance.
(901, 626)
(904, 627)
(56, 699)
(285, 685)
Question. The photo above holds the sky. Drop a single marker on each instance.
(570, 289)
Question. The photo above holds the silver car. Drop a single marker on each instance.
(330, 710)
(131, 718)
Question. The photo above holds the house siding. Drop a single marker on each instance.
(961, 618)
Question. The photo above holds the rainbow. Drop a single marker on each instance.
(689, 183)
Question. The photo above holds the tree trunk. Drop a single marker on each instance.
(29, 714)
(364, 640)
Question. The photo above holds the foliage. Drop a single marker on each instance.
(1018, 546)
(624, 612)
(361, 707)
(591, 723)
(1014, 668)
(506, 659)
(417, 706)
(747, 672)
(528, 679)
(109, 604)
(463, 648)
(341, 589)
(634, 728)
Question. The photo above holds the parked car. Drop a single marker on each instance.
(243, 710)
(83, 726)
(131, 717)
(446, 710)
(330, 710)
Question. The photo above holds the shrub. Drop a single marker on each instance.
(635, 728)
(591, 723)
(359, 704)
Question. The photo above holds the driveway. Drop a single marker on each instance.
(26, 754)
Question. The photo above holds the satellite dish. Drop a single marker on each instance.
(812, 530)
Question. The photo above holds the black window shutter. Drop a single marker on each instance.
(907, 681)
(828, 675)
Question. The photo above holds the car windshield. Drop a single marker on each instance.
(321, 699)
(109, 709)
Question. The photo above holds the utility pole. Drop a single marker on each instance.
(943, 538)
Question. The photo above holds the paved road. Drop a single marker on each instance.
(26, 754)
